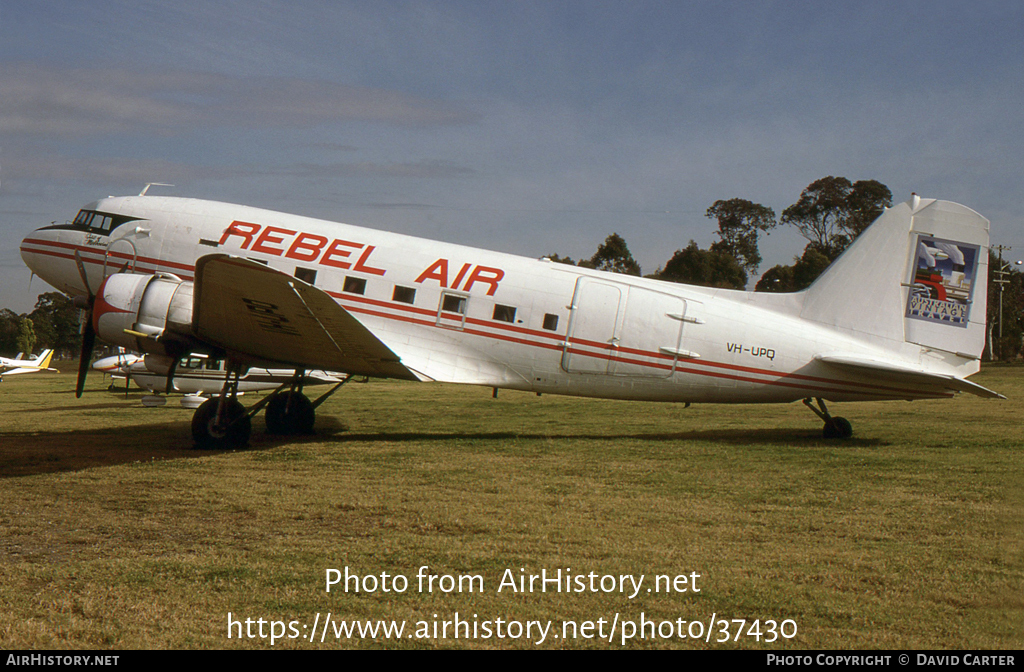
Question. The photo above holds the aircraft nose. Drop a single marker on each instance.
(52, 259)
(34, 245)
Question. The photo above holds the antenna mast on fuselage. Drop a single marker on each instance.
(153, 184)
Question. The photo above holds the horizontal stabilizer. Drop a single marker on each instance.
(875, 367)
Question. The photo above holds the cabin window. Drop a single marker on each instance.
(192, 362)
(504, 313)
(97, 222)
(454, 304)
(551, 322)
(354, 285)
(451, 314)
(305, 274)
(404, 294)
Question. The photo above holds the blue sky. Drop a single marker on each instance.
(526, 127)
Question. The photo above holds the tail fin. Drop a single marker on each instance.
(917, 275)
(44, 359)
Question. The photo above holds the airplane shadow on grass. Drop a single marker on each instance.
(735, 437)
(334, 430)
(33, 452)
(39, 452)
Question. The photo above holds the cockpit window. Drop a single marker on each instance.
(99, 222)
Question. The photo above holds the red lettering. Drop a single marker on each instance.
(436, 271)
(243, 230)
(304, 251)
(268, 238)
(361, 263)
(486, 275)
(462, 273)
(335, 251)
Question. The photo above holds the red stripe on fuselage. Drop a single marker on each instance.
(357, 304)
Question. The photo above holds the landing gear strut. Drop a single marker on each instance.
(835, 427)
(222, 422)
(291, 412)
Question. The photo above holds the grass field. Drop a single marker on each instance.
(910, 535)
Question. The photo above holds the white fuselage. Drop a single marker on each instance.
(459, 314)
(16, 365)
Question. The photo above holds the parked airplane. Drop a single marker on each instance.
(263, 288)
(117, 364)
(197, 375)
(11, 367)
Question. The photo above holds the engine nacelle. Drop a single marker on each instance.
(147, 313)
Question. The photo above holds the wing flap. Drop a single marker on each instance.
(876, 367)
(270, 317)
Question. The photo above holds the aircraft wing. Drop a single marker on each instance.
(32, 369)
(877, 367)
(268, 316)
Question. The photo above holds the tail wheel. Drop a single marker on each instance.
(837, 428)
(232, 432)
(290, 413)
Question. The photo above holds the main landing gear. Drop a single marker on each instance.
(290, 413)
(835, 427)
(223, 423)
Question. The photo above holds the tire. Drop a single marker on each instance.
(290, 414)
(235, 433)
(838, 428)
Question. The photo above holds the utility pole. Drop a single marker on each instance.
(1002, 272)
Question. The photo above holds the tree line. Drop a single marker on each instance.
(830, 213)
(53, 323)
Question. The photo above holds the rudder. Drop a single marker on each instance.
(917, 275)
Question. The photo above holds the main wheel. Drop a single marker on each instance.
(838, 428)
(290, 413)
(232, 433)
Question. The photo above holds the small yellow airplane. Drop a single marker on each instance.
(10, 367)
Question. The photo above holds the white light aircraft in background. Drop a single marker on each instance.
(11, 367)
(890, 319)
(198, 377)
(117, 364)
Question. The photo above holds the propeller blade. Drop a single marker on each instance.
(82, 274)
(88, 333)
(88, 341)
(170, 377)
